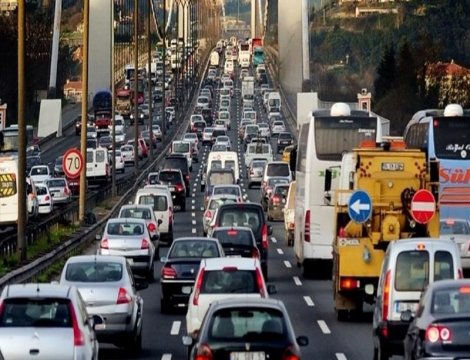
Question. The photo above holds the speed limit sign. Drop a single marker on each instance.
(72, 163)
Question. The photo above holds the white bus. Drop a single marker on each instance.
(322, 141)
(8, 190)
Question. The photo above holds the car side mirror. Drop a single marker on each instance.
(97, 237)
(302, 340)
(163, 259)
(187, 340)
(272, 289)
(141, 285)
(406, 316)
(270, 230)
(369, 289)
(159, 222)
(97, 322)
(155, 237)
(245, 197)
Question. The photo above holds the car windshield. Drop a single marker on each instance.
(127, 148)
(278, 170)
(180, 147)
(138, 213)
(285, 136)
(93, 271)
(36, 312)
(39, 171)
(169, 176)
(248, 324)
(125, 228)
(56, 183)
(230, 190)
(234, 237)
(158, 202)
(193, 249)
(258, 164)
(216, 203)
(455, 227)
(241, 217)
(454, 300)
(229, 282)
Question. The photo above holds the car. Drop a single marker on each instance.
(284, 139)
(204, 102)
(185, 148)
(207, 136)
(60, 190)
(237, 241)
(286, 153)
(119, 161)
(193, 119)
(106, 142)
(140, 117)
(32, 161)
(276, 202)
(91, 132)
(129, 237)
(223, 278)
(458, 230)
(439, 329)
(224, 140)
(108, 288)
(45, 200)
(39, 173)
(277, 127)
(219, 147)
(251, 215)
(267, 189)
(277, 169)
(253, 328)
(58, 168)
(225, 115)
(157, 132)
(264, 130)
(46, 319)
(149, 138)
(217, 132)
(193, 139)
(198, 128)
(207, 115)
(213, 203)
(255, 172)
(229, 189)
(119, 137)
(143, 212)
(173, 178)
(222, 176)
(179, 161)
(180, 268)
(128, 153)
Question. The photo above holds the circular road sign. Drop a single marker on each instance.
(72, 163)
(423, 206)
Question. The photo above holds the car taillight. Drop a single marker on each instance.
(264, 236)
(276, 199)
(349, 284)
(289, 354)
(197, 288)
(386, 296)
(104, 244)
(47, 198)
(78, 337)
(204, 352)
(255, 253)
(208, 214)
(66, 191)
(179, 187)
(438, 333)
(151, 227)
(168, 272)
(123, 297)
(260, 282)
(187, 177)
(307, 226)
(145, 244)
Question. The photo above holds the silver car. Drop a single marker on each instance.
(59, 189)
(129, 237)
(46, 321)
(256, 171)
(458, 230)
(108, 288)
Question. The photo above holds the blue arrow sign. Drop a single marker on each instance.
(359, 206)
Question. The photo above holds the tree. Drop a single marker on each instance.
(386, 73)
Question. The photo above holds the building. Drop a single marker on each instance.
(73, 91)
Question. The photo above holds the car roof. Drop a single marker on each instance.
(194, 238)
(136, 206)
(132, 220)
(411, 244)
(96, 258)
(449, 284)
(242, 263)
(228, 228)
(36, 290)
(270, 303)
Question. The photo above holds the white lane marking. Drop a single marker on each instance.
(193, 214)
(193, 207)
(273, 239)
(309, 301)
(194, 231)
(297, 281)
(175, 328)
(324, 328)
(193, 201)
(194, 222)
(279, 251)
(166, 357)
(341, 356)
(287, 264)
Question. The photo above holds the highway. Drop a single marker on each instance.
(309, 302)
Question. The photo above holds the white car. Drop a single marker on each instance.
(119, 161)
(59, 189)
(264, 130)
(224, 278)
(120, 137)
(203, 101)
(224, 140)
(91, 132)
(128, 153)
(278, 127)
(458, 230)
(40, 173)
(225, 115)
(213, 204)
(157, 132)
(45, 201)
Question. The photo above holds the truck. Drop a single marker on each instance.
(248, 86)
(102, 107)
(124, 101)
(256, 42)
(214, 59)
(390, 175)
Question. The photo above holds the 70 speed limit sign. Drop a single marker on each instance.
(72, 163)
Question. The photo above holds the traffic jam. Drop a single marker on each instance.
(217, 254)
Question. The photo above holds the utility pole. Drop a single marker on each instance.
(21, 181)
(86, 29)
(164, 73)
(113, 105)
(136, 88)
(149, 80)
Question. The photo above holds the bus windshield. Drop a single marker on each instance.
(452, 138)
(336, 135)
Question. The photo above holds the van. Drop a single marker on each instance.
(276, 168)
(98, 168)
(222, 160)
(185, 148)
(274, 101)
(159, 197)
(229, 67)
(409, 266)
(289, 214)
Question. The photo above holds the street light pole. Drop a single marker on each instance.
(113, 106)
(164, 73)
(136, 88)
(149, 79)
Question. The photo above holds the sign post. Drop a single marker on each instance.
(72, 163)
(423, 206)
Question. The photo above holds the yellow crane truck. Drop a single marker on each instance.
(390, 176)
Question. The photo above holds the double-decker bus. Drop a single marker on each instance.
(323, 139)
(445, 136)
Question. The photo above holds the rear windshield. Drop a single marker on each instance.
(234, 237)
(137, 213)
(229, 282)
(41, 190)
(180, 147)
(455, 227)
(221, 178)
(125, 228)
(281, 190)
(451, 301)
(248, 324)
(285, 136)
(158, 202)
(231, 190)
(193, 249)
(93, 272)
(170, 176)
(56, 183)
(216, 203)
(152, 179)
(241, 217)
(176, 163)
(278, 170)
(36, 312)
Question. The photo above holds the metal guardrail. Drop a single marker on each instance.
(84, 237)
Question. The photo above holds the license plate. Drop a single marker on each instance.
(401, 306)
(252, 355)
(186, 290)
(172, 188)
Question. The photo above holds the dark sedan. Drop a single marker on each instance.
(248, 329)
(440, 329)
(181, 267)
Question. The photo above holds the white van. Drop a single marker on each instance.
(185, 148)
(258, 151)
(222, 160)
(98, 168)
(159, 197)
(229, 67)
(274, 101)
(409, 266)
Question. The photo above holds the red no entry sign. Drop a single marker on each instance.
(423, 206)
